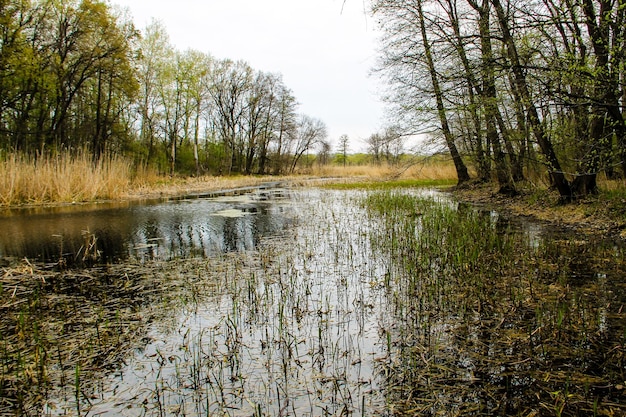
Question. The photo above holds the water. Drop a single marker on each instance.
(294, 335)
(304, 305)
(157, 230)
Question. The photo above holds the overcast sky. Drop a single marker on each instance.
(324, 49)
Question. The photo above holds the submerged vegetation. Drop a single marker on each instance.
(376, 302)
(488, 321)
(62, 331)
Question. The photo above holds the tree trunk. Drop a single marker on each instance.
(489, 98)
(482, 157)
(461, 169)
(196, 135)
(606, 110)
(556, 173)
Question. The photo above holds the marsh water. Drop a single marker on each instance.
(313, 302)
(181, 227)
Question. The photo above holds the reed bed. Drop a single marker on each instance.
(66, 178)
(147, 184)
(418, 168)
(61, 179)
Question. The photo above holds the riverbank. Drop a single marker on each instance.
(68, 181)
(602, 214)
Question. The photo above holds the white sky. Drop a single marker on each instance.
(324, 51)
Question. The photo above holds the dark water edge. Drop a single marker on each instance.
(104, 233)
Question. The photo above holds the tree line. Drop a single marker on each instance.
(77, 76)
(512, 86)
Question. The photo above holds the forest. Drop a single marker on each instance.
(78, 76)
(515, 90)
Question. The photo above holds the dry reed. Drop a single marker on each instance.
(148, 185)
(72, 179)
(61, 179)
(421, 169)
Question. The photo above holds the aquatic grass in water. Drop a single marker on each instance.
(390, 184)
(374, 303)
(289, 329)
(63, 331)
(486, 323)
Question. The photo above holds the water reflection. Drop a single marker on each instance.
(195, 227)
(341, 317)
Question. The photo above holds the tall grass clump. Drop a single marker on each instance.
(62, 178)
(492, 321)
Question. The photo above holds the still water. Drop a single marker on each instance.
(307, 303)
(147, 231)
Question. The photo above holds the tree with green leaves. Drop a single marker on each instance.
(514, 84)
(344, 144)
(76, 76)
(67, 76)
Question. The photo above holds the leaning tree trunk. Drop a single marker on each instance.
(461, 169)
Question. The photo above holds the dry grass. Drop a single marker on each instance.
(612, 186)
(73, 179)
(603, 214)
(147, 185)
(421, 169)
(62, 179)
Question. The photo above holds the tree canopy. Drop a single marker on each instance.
(76, 75)
(512, 87)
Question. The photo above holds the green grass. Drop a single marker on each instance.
(488, 323)
(391, 184)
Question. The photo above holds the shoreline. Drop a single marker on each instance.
(601, 214)
(189, 188)
(597, 215)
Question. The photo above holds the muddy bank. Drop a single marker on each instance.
(188, 188)
(602, 214)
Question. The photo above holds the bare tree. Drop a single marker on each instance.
(374, 146)
(231, 83)
(404, 56)
(310, 132)
(344, 142)
(323, 156)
